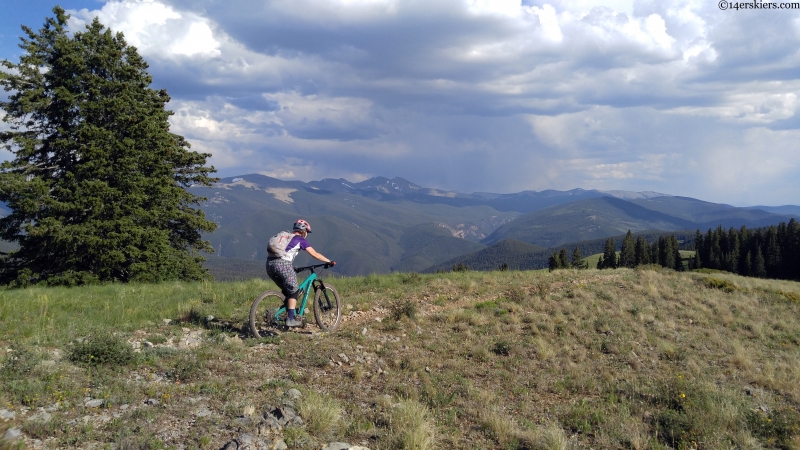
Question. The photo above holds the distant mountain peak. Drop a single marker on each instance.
(632, 195)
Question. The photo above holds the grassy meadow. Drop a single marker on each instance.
(645, 358)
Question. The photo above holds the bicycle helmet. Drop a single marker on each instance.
(301, 225)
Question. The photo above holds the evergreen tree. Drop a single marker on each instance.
(642, 251)
(577, 260)
(758, 268)
(97, 186)
(654, 253)
(627, 256)
(695, 263)
(676, 254)
(552, 262)
(772, 255)
(609, 255)
(563, 262)
(792, 260)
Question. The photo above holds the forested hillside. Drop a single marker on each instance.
(382, 225)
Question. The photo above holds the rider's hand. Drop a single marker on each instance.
(330, 264)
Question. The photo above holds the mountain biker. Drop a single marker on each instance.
(281, 270)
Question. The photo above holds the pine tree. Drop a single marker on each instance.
(97, 186)
(695, 263)
(642, 251)
(552, 262)
(772, 256)
(609, 255)
(563, 262)
(577, 260)
(759, 270)
(792, 251)
(627, 256)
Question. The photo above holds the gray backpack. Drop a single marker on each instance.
(277, 244)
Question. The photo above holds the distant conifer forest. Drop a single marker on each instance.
(772, 252)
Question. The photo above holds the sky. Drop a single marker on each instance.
(679, 97)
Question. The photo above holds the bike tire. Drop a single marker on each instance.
(327, 309)
(261, 313)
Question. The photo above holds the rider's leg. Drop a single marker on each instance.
(291, 304)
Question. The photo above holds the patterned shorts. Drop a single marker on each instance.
(282, 273)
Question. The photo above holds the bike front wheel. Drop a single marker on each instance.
(263, 312)
(327, 308)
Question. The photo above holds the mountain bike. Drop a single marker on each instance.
(269, 308)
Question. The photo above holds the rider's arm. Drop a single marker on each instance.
(319, 256)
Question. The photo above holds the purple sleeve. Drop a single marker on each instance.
(298, 240)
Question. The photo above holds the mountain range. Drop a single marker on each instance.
(381, 225)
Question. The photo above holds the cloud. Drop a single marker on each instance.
(483, 95)
(154, 27)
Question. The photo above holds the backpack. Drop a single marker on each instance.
(276, 248)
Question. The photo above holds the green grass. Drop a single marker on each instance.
(595, 359)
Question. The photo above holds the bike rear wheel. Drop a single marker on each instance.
(327, 308)
(262, 313)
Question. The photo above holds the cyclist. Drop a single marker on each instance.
(281, 270)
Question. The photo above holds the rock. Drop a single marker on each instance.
(279, 445)
(167, 321)
(244, 422)
(285, 415)
(269, 425)
(12, 434)
(124, 407)
(344, 357)
(343, 446)
(293, 394)
(337, 446)
(205, 412)
(232, 445)
(249, 410)
(7, 415)
(147, 344)
(209, 318)
(247, 441)
(364, 331)
(190, 342)
(94, 403)
(41, 416)
(152, 402)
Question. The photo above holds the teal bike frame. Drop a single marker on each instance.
(312, 283)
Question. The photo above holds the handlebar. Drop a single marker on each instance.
(312, 267)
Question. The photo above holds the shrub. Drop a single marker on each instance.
(722, 285)
(515, 294)
(460, 267)
(542, 289)
(186, 368)
(410, 278)
(402, 307)
(501, 348)
(102, 349)
(775, 428)
(19, 363)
